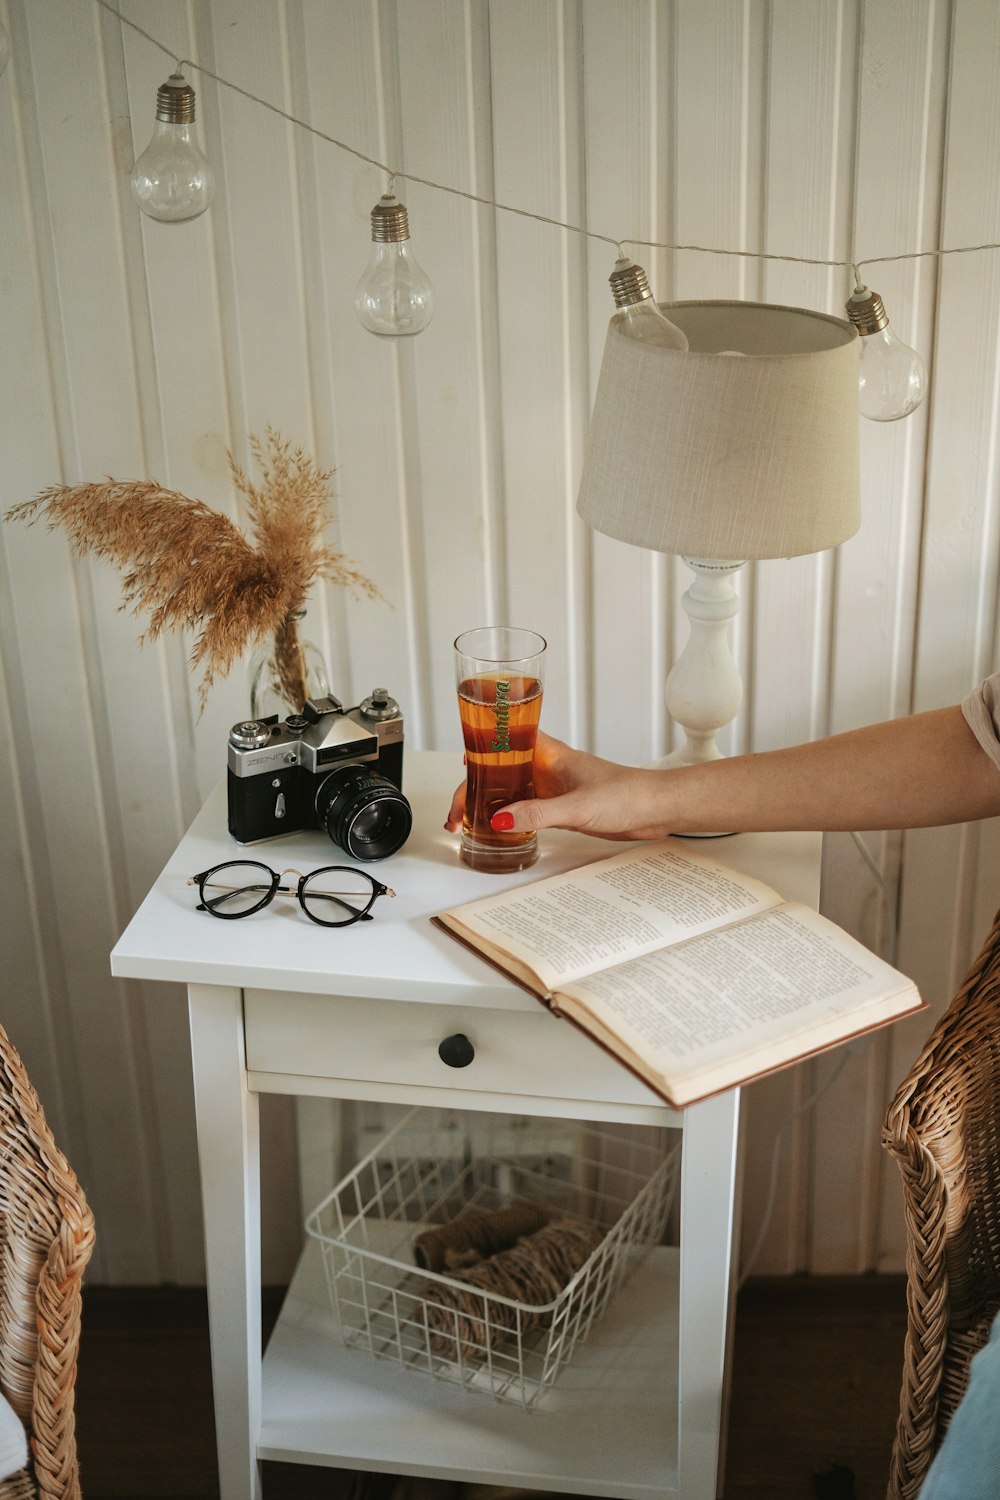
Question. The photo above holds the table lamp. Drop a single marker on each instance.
(742, 447)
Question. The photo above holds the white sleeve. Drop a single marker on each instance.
(982, 714)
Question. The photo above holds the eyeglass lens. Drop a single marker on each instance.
(336, 895)
(236, 889)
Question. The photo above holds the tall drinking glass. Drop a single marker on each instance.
(499, 671)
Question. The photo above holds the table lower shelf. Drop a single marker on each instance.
(608, 1427)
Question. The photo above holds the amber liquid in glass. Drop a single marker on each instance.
(500, 724)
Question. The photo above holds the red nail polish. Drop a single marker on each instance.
(502, 822)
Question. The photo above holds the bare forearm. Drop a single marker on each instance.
(917, 772)
(908, 773)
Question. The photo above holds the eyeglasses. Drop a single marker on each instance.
(334, 896)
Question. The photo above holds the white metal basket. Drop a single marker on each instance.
(426, 1172)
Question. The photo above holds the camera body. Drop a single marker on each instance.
(329, 767)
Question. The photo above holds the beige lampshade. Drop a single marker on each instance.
(744, 446)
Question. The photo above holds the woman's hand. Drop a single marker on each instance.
(918, 772)
(582, 792)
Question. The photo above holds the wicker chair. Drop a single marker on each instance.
(943, 1128)
(46, 1238)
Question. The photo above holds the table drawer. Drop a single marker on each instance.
(385, 1041)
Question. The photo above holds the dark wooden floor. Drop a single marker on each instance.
(815, 1389)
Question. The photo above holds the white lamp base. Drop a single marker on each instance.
(704, 690)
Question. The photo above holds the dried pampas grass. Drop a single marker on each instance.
(189, 567)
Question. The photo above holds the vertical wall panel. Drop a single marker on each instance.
(534, 56)
(169, 301)
(629, 189)
(902, 75)
(181, 331)
(35, 1000)
(817, 129)
(719, 107)
(356, 377)
(947, 884)
(84, 836)
(438, 46)
(806, 144)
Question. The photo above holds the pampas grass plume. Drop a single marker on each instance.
(188, 567)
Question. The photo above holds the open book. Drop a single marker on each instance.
(696, 977)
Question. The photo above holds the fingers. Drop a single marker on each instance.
(547, 746)
(453, 822)
(520, 816)
(553, 760)
(524, 817)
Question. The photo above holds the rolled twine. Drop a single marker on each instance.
(476, 1234)
(532, 1272)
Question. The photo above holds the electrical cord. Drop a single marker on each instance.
(849, 1050)
(779, 1141)
(887, 896)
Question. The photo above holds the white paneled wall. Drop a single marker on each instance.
(823, 129)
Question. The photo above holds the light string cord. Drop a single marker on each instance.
(849, 1050)
(394, 174)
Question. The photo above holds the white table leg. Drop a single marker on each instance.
(708, 1196)
(229, 1154)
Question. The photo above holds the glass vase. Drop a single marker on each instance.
(285, 671)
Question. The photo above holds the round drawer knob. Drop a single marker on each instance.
(457, 1051)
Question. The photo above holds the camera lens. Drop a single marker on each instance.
(364, 813)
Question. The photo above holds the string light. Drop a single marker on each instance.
(892, 380)
(173, 179)
(641, 318)
(615, 240)
(394, 296)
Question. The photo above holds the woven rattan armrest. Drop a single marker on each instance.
(46, 1240)
(942, 1129)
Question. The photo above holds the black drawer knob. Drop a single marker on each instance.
(457, 1051)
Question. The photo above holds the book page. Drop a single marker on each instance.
(632, 903)
(736, 1002)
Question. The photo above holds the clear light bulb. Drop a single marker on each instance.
(4, 46)
(641, 318)
(892, 380)
(394, 296)
(172, 179)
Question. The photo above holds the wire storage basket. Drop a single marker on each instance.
(574, 1207)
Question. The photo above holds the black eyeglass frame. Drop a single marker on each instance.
(364, 914)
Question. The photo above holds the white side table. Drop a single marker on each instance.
(279, 1005)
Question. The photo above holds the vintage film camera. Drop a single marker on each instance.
(329, 767)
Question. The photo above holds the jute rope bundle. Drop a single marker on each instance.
(943, 1129)
(464, 1323)
(46, 1239)
(474, 1235)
